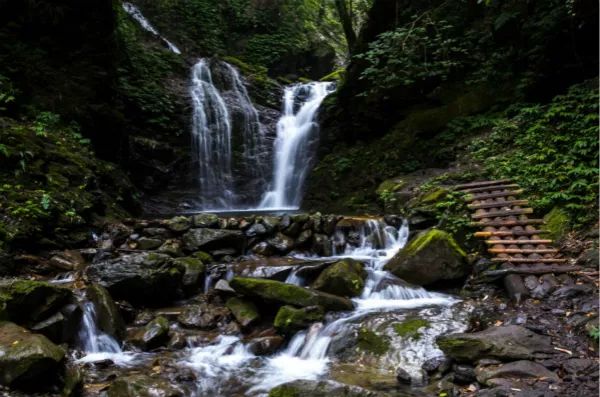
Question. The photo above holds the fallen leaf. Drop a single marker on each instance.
(563, 350)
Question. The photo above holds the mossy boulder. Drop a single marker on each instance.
(213, 239)
(276, 291)
(325, 388)
(205, 220)
(557, 224)
(109, 319)
(510, 342)
(432, 256)
(372, 342)
(139, 385)
(28, 360)
(245, 312)
(289, 319)
(27, 302)
(193, 273)
(179, 224)
(343, 278)
(410, 327)
(152, 335)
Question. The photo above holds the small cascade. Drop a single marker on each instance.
(136, 14)
(293, 151)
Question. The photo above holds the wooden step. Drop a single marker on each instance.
(495, 214)
(522, 251)
(508, 223)
(529, 260)
(482, 183)
(491, 188)
(498, 204)
(518, 242)
(505, 193)
(506, 233)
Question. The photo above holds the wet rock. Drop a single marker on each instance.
(463, 374)
(148, 243)
(293, 230)
(515, 370)
(322, 245)
(28, 302)
(203, 316)
(171, 247)
(67, 260)
(264, 249)
(153, 335)
(311, 388)
(571, 291)
(29, 361)
(156, 232)
(255, 230)
(589, 259)
(213, 239)
(403, 377)
(277, 291)
(440, 364)
(193, 273)
(143, 318)
(245, 312)
(504, 342)
(580, 366)
(430, 257)
(139, 385)
(62, 326)
(108, 317)
(144, 278)
(271, 223)
(281, 243)
(290, 320)
(179, 224)
(178, 340)
(343, 278)
(265, 345)
(223, 286)
(547, 284)
(205, 220)
(305, 238)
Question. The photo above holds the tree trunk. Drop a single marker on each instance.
(346, 20)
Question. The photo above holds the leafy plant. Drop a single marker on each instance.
(594, 333)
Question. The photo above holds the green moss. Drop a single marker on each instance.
(557, 223)
(372, 342)
(336, 75)
(203, 256)
(343, 278)
(285, 391)
(434, 196)
(424, 239)
(410, 327)
(245, 312)
(290, 320)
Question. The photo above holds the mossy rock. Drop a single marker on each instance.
(557, 224)
(179, 224)
(109, 318)
(203, 256)
(152, 335)
(139, 385)
(390, 185)
(432, 256)
(193, 272)
(433, 196)
(245, 312)
(28, 360)
(324, 388)
(410, 327)
(276, 291)
(27, 301)
(290, 319)
(343, 278)
(371, 342)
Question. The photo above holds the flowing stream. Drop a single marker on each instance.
(136, 14)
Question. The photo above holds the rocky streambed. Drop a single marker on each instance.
(289, 305)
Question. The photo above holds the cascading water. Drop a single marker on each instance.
(146, 25)
(296, 130)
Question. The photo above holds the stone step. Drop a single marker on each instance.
(506, 193)
(496, 214)
(498, 204)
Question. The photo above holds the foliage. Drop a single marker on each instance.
(594, 333)
(7, 92)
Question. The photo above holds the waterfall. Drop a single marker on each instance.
(220, 116)
(292, 152)
(146, 25)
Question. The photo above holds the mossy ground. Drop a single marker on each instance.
(410, 327)
(372, 342)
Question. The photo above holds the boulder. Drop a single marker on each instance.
(139, 385)
(152, 335)
(203, 316)
(281, 243)
(276, 291)
(515, 370)
(290, 320)
(62, 326)
(28, 302)
(244, 312)
(322, 245)
(144, 278)
(205, 220)
(193, 273)
(148, 243)
(179, 224)
(343, 278)
(213, 239)
(108, 317)
(28, 360)
(171, 247)
(325, 388)
(432, 256)
(511, 342)
(265, 345)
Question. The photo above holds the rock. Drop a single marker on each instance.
(67, 260)
(580, 366)
(305, 238)
(264, 249)
(108, 317)
(402, 376)
(213, 239)
(281, 243)
(372, 342)
(157, 232)
(244, 312)
(144, 278)
(570, 291)
(179, 224)
(27, 360)
(463, 374)
(271, 223)
(557, 224)
(148, 243)
(547, 284)
(515, 288)
(139, 385)
(290, 320)
(510, 342)
(439, 363)
(430, 257)
(515, 370)
(203, 316)
(205, 220)
(294, 229)
(193, 273)
(410, 327)
(326, 388)
(28, 302)
(277, 291)
(265, 345)
(153, 335)
(223, 286)
(171, 247)
(62, 326)
(343, 278)
(256, 230)
(322, 245)
(589, 259)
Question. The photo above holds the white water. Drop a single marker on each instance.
(146, 25)
(308, 355)
(295, 130)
